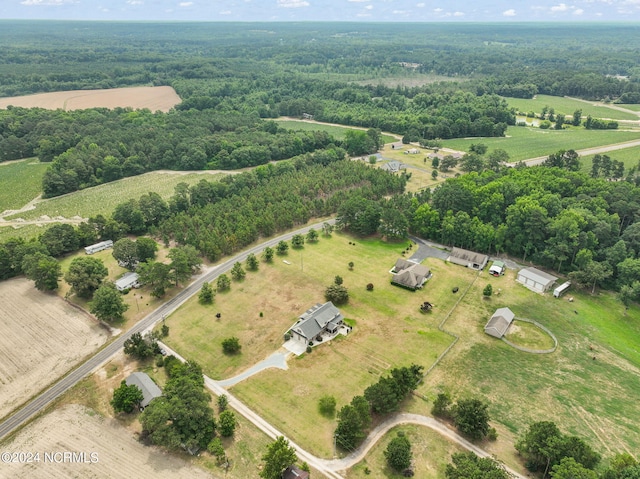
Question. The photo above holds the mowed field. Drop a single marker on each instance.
(629, 156)
(155, 98)
(588, 386)
(569, 105)
(41, 338)
(78, 429)
(338, 132)
(20, 182)
(388, 332)
(527, 142)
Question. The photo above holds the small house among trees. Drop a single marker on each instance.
(316, 321)
(294, 472)
(149, 389)
(94, 248)
(129, 280)
(536, 280)
(499, 323)
(410, 275)
(393, 166)
(467, 258)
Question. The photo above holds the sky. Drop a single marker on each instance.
(326, 10)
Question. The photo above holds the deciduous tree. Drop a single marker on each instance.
(126, 398)
(85, 275)
(278, 457)
(43, 270)
(107, 303)
(398, 453)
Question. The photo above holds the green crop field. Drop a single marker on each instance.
(337, 132)
(104, 198)
(527, 142)
(20, 182)
(629, 156)
(568, 106)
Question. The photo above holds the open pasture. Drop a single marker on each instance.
(41, 338)
(593, 398)
(629, 156)
(569, 105)
(102, 199)
(336, 131)
(527, 142)
(155, 98)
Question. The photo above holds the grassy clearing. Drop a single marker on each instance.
(568, 106)
(20, 182)
(431, 454)
(632, 106)
(104, 198)
(566, 386)
(26, 232)
(527, 142)
(338, 132)
(529, 336)
(344, 367)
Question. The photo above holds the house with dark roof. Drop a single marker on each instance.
(499, 323)
(316, 321)
(410, 275)
(467, 258)
(293, 472)
(536, 280)
(149, 389)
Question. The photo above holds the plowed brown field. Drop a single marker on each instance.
(104, 449)
(41, 338)
(155, 98)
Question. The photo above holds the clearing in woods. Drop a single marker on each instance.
(41, 338)
(155, 98)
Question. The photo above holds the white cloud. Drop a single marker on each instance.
(509, 13)
(292, 3)
(225, 12)
(135, 2)
(363, 14)
(560, 8)
(47, 2)
(578, 11)
(400, 12)
(420, 5)
(357, 1)
(438, 10)
(458, 14)
(369, 7)
(185, 4)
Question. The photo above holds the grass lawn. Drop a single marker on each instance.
(632, 106)
(593, 398)
(527, 142)
(568, 106)
(20, 182)
(342, 368)
(528, 335)
(26, 232)
(104, 198)
(337, 132)
(431, 454)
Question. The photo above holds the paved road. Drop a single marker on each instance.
(105, 354)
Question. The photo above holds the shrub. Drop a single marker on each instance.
(327, 405)
(370, 287)
(231, 345)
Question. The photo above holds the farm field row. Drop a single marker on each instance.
(527, 142)
(20, 182)
(569, 105)
(102, 199)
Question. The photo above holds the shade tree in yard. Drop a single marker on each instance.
(108, 303)
(278, 457)
(252, 262)
(206, 294)
(85, 274)
(126, 398)
(43, 269)
(125, 252)
(237, 272)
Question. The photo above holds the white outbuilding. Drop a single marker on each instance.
(536, 280)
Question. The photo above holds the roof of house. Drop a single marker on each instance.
(470, 256)
(293, 472)
(499, 323)
(537, 276)
(127, 280)
(149, 389)
(409, 274)
(499, 264)
(315, 320)
(393, 166)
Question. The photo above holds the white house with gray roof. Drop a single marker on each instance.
(149, 389)
(316, 321)
(499, 323)
(127, 281)
(536, 280)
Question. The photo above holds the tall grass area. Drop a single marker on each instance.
(20, 182)
(593, 398)
(568, 106)
(527, 142)
(103, 199)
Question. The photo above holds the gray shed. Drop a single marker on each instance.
(149, 389)
(499, 323)
(536, 280)
(467, 258)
